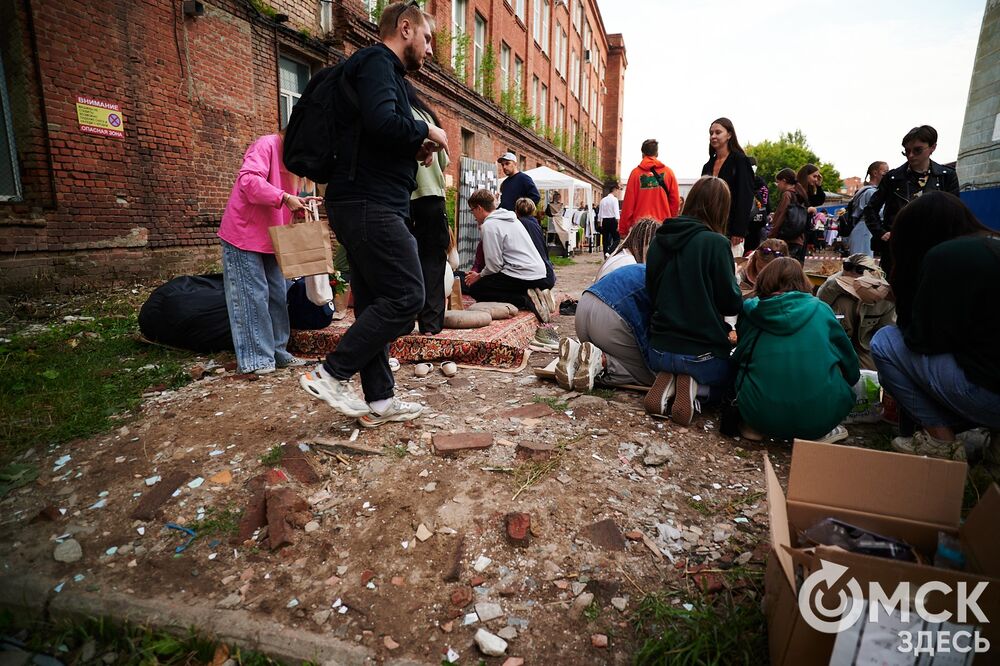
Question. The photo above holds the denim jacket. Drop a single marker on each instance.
(624, 291)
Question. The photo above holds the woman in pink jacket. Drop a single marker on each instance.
(263, 196)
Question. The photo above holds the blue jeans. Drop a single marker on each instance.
(258, 314)
(933, 390)
(388, 287)
(706, 369)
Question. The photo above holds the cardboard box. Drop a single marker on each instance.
(903, 496)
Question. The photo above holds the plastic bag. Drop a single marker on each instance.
(868, 399)
(318, 289)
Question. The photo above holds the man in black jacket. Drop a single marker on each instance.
(368, 203)
(904, 184)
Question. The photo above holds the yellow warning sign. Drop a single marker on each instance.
(99, 117)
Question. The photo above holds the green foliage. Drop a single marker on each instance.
(451, 206)
(264, 8)
(486, 75)
(593, 611)
(218, 521)
(555, 403)
(272, 457)
(463, 41)
(717, 630)
(791, 150)
(76, 380)
(562, 261)
(515, 105)
(376, 12)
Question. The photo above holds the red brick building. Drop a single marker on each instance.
(851, 186)
(123, 125)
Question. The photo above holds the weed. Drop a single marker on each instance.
(555, 403)
(593, 611)
(219, 521)
(397, 450)
(562, 261)
(76, 380)
(701, 507)
(272, 457)
(717, 630)
(604, 393)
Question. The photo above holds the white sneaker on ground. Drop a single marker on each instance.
(264, 371)
(396, 411)
(922, 444)
(589, 364)
(836, 435)
(539, 304)
(569, 351)
(334, 392)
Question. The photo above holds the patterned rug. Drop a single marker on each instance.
(500, 345)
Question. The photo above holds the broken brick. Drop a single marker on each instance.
(533, 411)
(294, 460)
(274, 476)
(366, 576)
(255, 515)
(518, 528)
(599, 640)
(151, 502)
(605, 534)
(461, 596)
(476, 581)
(535, 452)
(281, 504)
(445, 444)
(634, 535)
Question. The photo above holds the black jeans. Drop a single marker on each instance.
(609, 234)
(502, 288)
(429, 223)
(388, 290)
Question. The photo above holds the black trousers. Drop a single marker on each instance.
(609, 234)
(429, 224)
(502, 288)
(388, 289)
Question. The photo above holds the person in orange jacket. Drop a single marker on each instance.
(651, 190)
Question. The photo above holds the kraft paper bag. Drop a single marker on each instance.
(303, 248)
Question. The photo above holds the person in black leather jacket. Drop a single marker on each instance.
(905, 183)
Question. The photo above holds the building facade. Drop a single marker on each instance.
(123, 125)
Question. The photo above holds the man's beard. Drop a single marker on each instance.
(412, 59)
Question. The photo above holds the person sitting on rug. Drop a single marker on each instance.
(769, 250)
(795, 366)
(525, 209)
(612, 322)
(513, 272)
(941, 362)
(632, 250)
(858, 295)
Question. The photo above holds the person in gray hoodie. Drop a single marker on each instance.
(513, 271)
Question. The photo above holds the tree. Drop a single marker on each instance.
(790, 150)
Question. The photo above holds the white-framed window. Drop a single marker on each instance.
(292, 79)
(479, 39)
(536, 22)
(458, 12)
(577, 9)
(534, 95)
(564, 51)
(546, 15)
(543, 105)
(504, 65)
(555, 113)
(585, 91)
(371, 6)
(519, 9)
(562, 116)
(518, 74)
(574, 73)
(10, 177)
(557, 51)
(326, 15)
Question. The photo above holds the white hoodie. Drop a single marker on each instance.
(507, 248)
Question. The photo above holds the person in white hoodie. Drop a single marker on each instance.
(513, 271)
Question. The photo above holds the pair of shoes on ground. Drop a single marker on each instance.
(448, 369)
(546, 339)
(339, 394)
(543, 303)
(676, 393)
(579, 365)
(923, 444)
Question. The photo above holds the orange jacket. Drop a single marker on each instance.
(645, 197)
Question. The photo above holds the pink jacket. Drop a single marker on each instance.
(255, 202)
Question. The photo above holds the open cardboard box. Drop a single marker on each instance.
(903, 496)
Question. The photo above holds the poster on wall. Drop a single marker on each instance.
(98, 117)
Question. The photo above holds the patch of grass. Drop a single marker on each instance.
(75, 380)
(396, 450)
(219, 521)
(593, 611)
(555, 403)
(720, 629)
(701, 507)
(88, 640)
(272, 457)
(562, 261)
(604, 393)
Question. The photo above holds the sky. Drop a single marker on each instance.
(853, 76)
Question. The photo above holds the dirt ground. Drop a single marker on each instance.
(396, 538)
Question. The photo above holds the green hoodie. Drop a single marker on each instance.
(795, 366)
(692, 285)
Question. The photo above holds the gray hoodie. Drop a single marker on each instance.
(507, 248)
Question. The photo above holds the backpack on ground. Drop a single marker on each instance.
(795, 222)
(316, 128)
(853, 214)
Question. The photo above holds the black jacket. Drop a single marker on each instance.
(898, 188)
(738, 174)
(389, 135)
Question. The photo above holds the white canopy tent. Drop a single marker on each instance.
(550, 179)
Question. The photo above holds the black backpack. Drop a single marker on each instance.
(796, 221)
(316, 127)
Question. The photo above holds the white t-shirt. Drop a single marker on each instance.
(614, 262)
(609, 207)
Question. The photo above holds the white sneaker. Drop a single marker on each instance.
(396, 411)
(569, 351)
(836, 435)
(589, 364)
(550, 301)
(538, 301)
(336, 393)
(922, 444)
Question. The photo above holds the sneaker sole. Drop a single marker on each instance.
(838, 438)
(582, 379)
(370, 421)
(682, 411)
(565, 369)
(656, 398)
(343, 409)
(541, 310)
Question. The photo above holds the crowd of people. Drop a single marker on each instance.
(672, 308)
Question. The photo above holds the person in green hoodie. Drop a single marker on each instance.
(692, 286)
(795, 366)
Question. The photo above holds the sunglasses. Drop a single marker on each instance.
(768, 252)
(411, 3)
(916, 152)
